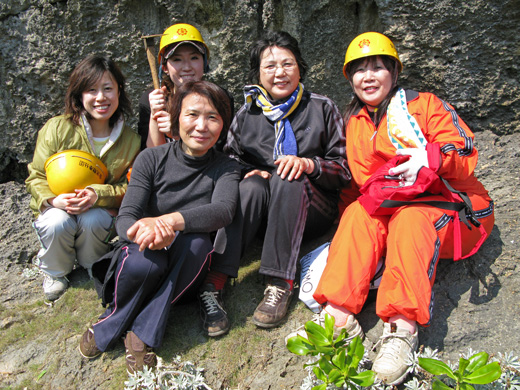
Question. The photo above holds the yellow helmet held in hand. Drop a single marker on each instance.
(178, 33)
(73, 169)
(370, 44)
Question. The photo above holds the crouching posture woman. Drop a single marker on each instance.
(382, 121)
(179, 193)
(78, 224)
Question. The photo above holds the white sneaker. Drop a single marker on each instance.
(53, 287)
(352, 327)
(390, 363)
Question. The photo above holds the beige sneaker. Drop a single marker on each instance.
(352, 327)
(54, 287)
(390, 363)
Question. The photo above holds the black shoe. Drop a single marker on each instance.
(214, 317)
(273, 308)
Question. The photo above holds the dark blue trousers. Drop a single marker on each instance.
(147, 284)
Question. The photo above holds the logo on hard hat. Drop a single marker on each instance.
(182, 31)
(363, 43)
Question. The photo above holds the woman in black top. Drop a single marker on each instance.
(179, 193)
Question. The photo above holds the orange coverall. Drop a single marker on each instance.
(415, 237)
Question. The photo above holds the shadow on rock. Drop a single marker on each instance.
(464, 285)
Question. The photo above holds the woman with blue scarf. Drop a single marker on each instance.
(291, 148)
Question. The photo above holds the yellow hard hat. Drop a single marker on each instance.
(73, 169)
(370, 44)
(179, 33)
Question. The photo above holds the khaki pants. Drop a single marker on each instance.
(65, 238)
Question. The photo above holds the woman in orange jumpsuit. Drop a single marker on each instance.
(382, 121)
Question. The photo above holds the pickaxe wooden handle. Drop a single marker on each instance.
(149, 45)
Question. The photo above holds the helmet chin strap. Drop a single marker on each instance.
(160, 72)
(372, 108)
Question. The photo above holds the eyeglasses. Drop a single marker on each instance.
(287, 67)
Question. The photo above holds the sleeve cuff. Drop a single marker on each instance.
(315, 172)
(434, 156)
(95, 192)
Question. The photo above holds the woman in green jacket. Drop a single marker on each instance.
(78, 224)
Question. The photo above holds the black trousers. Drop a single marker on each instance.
(288, 209)
(148, 283)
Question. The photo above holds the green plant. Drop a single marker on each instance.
(337, 363)
(473, 370)
(179, 376)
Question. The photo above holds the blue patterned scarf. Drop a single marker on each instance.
(285, 141)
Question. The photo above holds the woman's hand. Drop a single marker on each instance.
(61, 201)
(151, 233)
(159, 118)
(292, 167)
(157, 99)
(75, 203)
(408, 170)
(142, 232)
(163, 120)
(164, 235)
(266, 175)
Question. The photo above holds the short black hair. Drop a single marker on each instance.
(271, 39)
(215, 94)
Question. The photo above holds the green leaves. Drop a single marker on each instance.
(338, 363)
(364, 378)
(487, 374)
(436, 367)
(474, 370)
(300, 346)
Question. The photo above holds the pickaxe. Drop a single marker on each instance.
(149, 45)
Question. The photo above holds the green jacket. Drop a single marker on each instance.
(59, 134)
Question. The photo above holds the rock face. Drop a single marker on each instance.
(464, 52)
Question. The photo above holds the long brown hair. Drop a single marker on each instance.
(356, 103)
(166, 79)
(87, 73)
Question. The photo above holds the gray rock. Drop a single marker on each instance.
(465, 53)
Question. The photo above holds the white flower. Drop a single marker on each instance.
(508, 380)
(415, 384)
(469, 354)
(429, 353)
(509, 361)
(412, 360)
